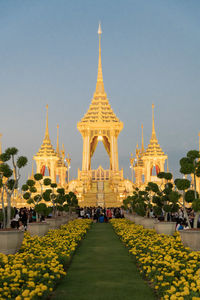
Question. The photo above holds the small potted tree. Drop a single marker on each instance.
(50, 195)
(164, 203)
(138, 206)
(127, 206)
(148, 222)
(191, 165)
(33, 198)
(187, 195)
(72, 203)
(9, 180)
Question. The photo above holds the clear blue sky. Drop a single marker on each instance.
(150, 53)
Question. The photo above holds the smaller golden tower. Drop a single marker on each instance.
(47, 159)
(147, 160)
(153, 157)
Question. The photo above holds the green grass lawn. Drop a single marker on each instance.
(102, 269)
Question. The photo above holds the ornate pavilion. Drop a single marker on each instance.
(100, 124)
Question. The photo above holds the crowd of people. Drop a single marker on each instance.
(180, 218)
(23, 216)
(100, 214)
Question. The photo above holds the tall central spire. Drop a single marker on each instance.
(47, 126)
(100, 110)
(153, 135)
(99, 85)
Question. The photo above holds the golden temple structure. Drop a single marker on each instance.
(99, 187)
(148, 163)
(100, 124)
(51, 163)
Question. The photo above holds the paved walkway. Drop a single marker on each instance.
(102, 269)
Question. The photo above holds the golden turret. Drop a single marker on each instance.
(153, 148)
(46, 148)
(100, 110)
(153, 158)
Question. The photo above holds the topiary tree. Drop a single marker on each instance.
(72, 201)
(191, 165)
(182, 185)
(162, 198)
(42, 209)
(51, 196)
(127, 202)
(137, 202)
(9, 179)
(31, 195)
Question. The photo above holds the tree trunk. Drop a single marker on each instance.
(187, 218)
(165, 217)
(8, 225)
(37, 217)
(196, 219)
(185, 211)
(3, 208)
(195, 189)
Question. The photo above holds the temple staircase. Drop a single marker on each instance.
(100, 194)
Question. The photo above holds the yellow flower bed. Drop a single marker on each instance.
(33, 272)
(172, 269)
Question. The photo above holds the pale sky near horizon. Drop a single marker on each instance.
(150, 54)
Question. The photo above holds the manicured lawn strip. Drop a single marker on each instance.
(102, 269)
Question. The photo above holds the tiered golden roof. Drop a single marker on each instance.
(46, 148)
(153, 148)
(100, 109)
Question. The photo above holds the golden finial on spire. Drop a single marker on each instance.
(137, 151)
(153, 123)
(63, 150)
(99, 85)
(57, 147)
(99, 29)
(47, 125)
(142, 139)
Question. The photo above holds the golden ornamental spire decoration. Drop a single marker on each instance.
(57, 147)
(100, 110)
(47, 125)
(153, 136)
(99, 85)
(153, 148)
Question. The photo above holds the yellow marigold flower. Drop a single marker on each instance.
(25, 293)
